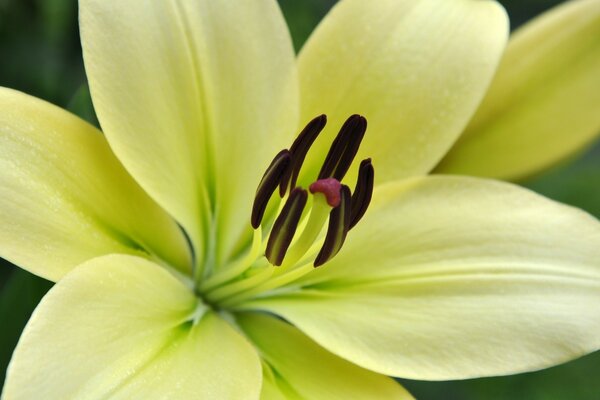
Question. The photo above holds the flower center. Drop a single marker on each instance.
(296, 217)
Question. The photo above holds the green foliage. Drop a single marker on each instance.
(303, 16)
(19, 296)
(81, 105)
(39, 48)
(575, 183)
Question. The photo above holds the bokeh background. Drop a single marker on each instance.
(40, 54)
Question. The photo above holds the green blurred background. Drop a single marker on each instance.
(40, 54)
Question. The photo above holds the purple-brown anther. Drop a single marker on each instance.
(346, 208)
(285, 226)
(299, 150)
(339, 224)
(330, 187)
(361, 198)
(267, 186)
(344, 148)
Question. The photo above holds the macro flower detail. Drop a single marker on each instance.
(347, 208)
(194, 258)
(331, 202)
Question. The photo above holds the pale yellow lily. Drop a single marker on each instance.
(444, 278)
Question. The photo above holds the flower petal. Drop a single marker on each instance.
(301, 366)
(542, 106)
(194, 97)
(415, 69)
(64, 197)
(120, 327)
(452, 278)
(20, 294)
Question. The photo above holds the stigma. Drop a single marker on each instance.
(331, 201)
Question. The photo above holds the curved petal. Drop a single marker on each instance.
(415, 69)
(301, 366)
(121, 327)
(542, 106)
(194, 97)
(20, 294)
(452, 278)
(271, 391)
(64, 197)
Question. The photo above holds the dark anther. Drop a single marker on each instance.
(285, 226)
(268, 184)
(344, 148)
(347, 208)
(339, 224)
(299, 150)
(362, 192)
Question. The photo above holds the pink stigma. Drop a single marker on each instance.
(330, 187)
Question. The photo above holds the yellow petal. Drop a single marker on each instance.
(271, 390)
(452, 278)
(415, 69)
(543, 104)
(301, 366)
(119, 327)
(194, 96)
(64, 197)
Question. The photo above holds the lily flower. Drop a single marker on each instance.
(184, 270)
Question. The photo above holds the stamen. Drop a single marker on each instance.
(362, 192)
(251, 276)
(330, 187)
(267, 186)
(285, 226)
(344, 148)
(339, 224)
(237, 268)
(299, 150)
(320, 210)
(332, 199)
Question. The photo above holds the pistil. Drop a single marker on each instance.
(316, 220)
